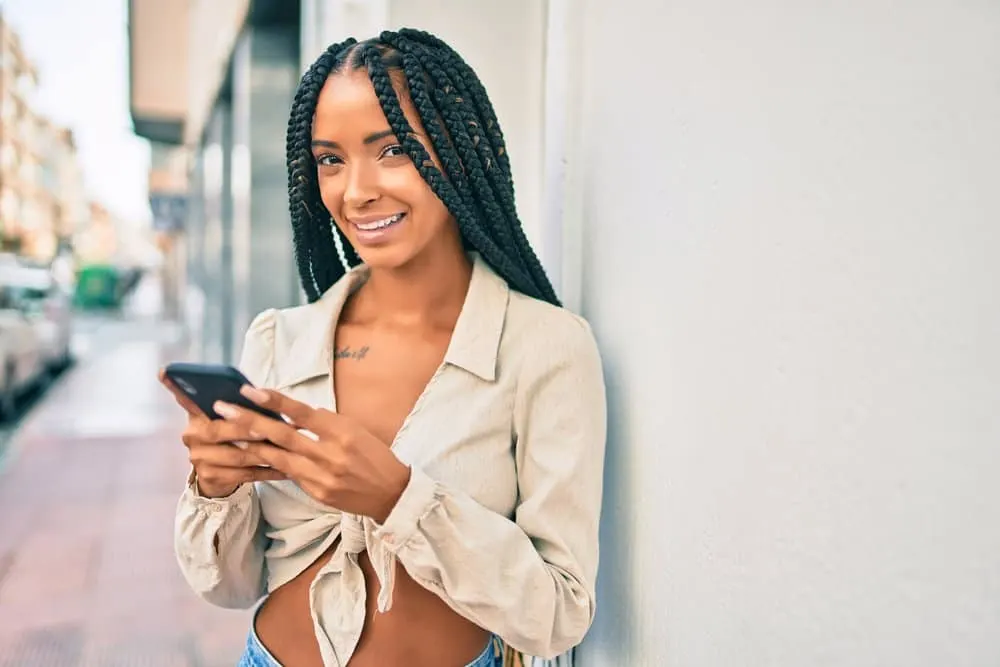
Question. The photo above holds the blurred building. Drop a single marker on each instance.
(97, 243)
(168, 199)
(66, 184)
(781, 221)
(19, 158)
(42, 197)
(60, 207)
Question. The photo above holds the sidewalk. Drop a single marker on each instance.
(87, 570)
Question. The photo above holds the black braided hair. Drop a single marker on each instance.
(476, 184)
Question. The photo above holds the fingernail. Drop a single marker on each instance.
(257, 436)
(241, 444)
(254, 394)
(226, 410)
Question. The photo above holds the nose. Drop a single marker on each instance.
(362, 186)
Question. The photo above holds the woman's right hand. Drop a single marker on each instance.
(220, 464)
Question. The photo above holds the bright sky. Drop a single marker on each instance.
(80, 48)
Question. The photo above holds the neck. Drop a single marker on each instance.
(429, 289)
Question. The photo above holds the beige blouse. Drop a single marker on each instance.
(500, 517)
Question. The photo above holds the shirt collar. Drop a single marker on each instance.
(474, 345)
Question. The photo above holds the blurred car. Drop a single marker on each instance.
(46, 306)
(22, 362)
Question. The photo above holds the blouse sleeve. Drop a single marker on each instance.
(219, 542)
(530, 580)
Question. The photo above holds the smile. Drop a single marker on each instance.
(380, 224)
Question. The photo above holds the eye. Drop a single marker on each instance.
(328, 160)
(393, 150)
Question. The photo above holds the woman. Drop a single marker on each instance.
(434, 498)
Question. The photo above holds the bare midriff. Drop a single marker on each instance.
(420, 630)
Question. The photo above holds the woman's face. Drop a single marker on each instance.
(368, 183)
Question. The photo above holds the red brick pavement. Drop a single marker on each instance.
(87, 571)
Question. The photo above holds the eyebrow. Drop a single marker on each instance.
(370, 139)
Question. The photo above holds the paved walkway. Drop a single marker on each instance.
(87, 571)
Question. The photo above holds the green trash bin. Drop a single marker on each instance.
(97, 287)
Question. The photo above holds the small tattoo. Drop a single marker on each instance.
(348, 353)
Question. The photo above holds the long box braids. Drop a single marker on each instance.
(476, 184)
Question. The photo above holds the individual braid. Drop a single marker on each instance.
(470, 223)
(484, 108)
(476, 120)
(466, 173)
(475, 183)
(497, 188)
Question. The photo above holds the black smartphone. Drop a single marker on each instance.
(205, 384)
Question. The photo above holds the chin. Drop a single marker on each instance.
(387, 256)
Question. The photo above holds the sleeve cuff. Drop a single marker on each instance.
(237, 497)
(415, 501)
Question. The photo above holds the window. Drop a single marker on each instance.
(29, 170)
(9, 110)
(8, 156)
(9, 205)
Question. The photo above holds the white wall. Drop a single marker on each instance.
(791, 219)
(326, 22)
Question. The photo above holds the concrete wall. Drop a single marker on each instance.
(240, 238)
(791, 225)
(265, 74)
(215, 241)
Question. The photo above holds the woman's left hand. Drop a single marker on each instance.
(345, 466)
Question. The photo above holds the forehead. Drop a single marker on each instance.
(347, 102)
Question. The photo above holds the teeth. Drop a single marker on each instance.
(379, 224)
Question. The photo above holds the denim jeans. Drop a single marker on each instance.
(256, 655)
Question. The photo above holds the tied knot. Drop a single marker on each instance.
(352, 534)
(357, 534)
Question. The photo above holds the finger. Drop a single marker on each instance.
(288, 463)
(265, 475)
(303, 416)
(260, 427)
(217, 432)
(224, 457)
(297, 412)
(182, 399)
(230, 478)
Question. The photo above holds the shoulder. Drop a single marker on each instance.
(282, 325)
(558, 373)
(538, 322)
(257, 355)
(540, 338)
(278, 323)
(274, 331)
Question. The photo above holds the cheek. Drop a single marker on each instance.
(331, 192)
(421, 197)
(405, 182)
(437, 211)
